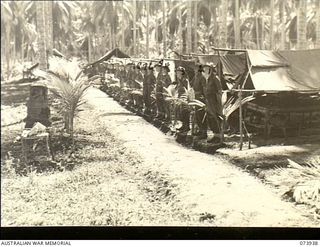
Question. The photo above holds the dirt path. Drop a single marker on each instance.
(209, 187)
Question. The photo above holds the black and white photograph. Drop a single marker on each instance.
(160, 113)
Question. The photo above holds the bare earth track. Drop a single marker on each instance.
(207, 185)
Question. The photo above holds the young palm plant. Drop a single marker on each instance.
(67, 82)
(229, 106)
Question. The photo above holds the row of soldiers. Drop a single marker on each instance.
(155, 81)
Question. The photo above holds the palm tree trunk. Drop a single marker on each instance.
(262, 33)
(302, 25)
(147, 34)
(189, 27)
(257, 33)
(8, 44)
(22, 46)
(283, 24)
(195, 27)
(237, 25)
(180, 33)
(41, 56)
(318, 24)
(271, 24)
(224, 29)
(110, 37)
(122, 28)
(14, 49)
(49, 25)
(134, 27)
(164, 29)
(89, 48)
(215, 21)
(137, 41)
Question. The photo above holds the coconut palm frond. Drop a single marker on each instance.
(233, 104)
(139, 83)
(197, 103)
(65, 80)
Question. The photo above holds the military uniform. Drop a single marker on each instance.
(199, 83)
(122, 76)
(183, 110)
(148, 85)
(213, 94)
(163, 80)
(138, 77)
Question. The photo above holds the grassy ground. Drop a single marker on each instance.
(105, 187)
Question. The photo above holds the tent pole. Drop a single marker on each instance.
(240, 119)
(223, 120)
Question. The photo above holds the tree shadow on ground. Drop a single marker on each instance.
(108, 114)
(15, 92)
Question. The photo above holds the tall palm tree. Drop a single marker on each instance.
(63, 30)
(49, 26)
(164, 28)
(148, 30)
(318, 23)
(195, 27)
(134, 27)
(6, 28)
(282, 6)
(302, 24)
(224, 29)
(42, 55)
(122, 27)
(271, 24)
(237, 24)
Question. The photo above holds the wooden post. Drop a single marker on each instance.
(240, 119)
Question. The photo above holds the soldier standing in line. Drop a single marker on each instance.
(166, 82)
(122, 75)
(129, 70)
(137, 80)
(112, 68)
(130, 81)
(159, 91)
(198, 84)
(148, 85)
(116, 70)
(213, 94)
(183, 110)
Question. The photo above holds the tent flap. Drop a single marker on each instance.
(285, 70)
(113, 53)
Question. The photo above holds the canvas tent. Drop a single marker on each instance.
(284, 70)
(113, 53)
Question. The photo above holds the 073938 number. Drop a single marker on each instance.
(309, 243)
